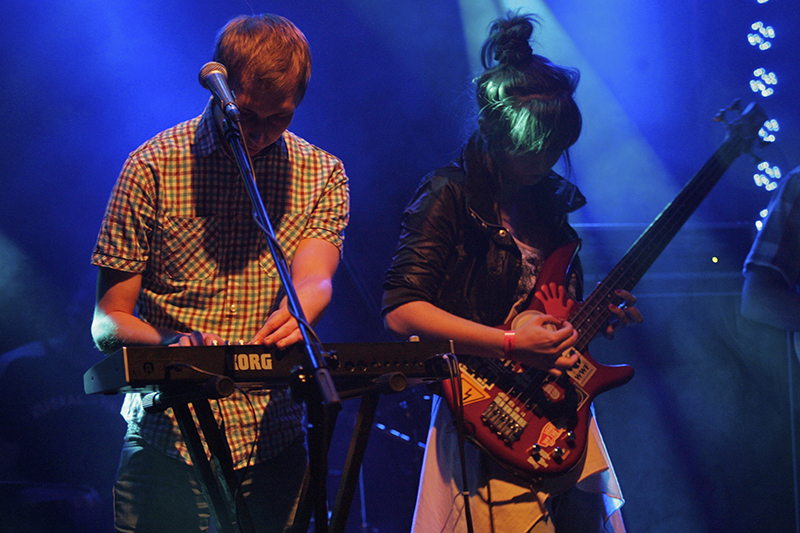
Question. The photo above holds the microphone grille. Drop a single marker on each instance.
(210, 67)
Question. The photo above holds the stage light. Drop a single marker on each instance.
(763, 83)
(763, 80)
(767, 176)
(763, 214)
(772, 172)
(763, 36)
(393, 432)
(768, 129)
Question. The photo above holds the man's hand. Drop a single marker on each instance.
(280, 330)
(197, 338)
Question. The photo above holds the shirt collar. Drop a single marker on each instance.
(207, 137)
(210, 138)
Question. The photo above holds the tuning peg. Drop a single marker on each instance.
(735, 106)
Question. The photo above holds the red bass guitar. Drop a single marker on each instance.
(535, 424)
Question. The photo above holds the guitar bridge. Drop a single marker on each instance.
(504, 419)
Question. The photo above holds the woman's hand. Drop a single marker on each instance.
(624, 314)
(544, 342)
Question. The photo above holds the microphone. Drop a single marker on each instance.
(214, 77)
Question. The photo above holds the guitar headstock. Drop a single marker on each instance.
(749, 126)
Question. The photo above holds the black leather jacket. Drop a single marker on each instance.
(453, 251)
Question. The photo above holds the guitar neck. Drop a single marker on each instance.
(594, 313)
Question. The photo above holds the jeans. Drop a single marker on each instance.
(155, 493)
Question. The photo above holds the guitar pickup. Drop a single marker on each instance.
(506, 422)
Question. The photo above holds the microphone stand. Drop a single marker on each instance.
(319, 393)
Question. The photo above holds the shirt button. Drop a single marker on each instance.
(502, 233)
(233, 308)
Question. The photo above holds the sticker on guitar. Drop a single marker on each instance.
(473, 388)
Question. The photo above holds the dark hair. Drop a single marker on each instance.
(264, 52)
(525, 103)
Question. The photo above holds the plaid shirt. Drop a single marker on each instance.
(777, 245)
(180, 216)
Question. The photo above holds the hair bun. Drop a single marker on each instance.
(508, 42)
(513, 51)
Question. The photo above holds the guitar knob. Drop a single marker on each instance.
(558, 452)
(535, 450)
(571, 438)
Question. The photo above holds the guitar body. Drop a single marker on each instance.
(534, 424)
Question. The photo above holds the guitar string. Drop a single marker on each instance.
(593, 314)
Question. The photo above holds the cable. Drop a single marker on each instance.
(236, 490)
(458, 400)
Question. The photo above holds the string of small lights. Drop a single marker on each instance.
(764, 83)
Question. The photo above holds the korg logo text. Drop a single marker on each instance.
(253, 361)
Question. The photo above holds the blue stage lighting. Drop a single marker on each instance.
(767, 131)
(763, 81)
(762, 38)
(767, 176)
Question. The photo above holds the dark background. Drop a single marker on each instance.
(700, 438)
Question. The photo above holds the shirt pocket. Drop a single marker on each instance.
(190, 247)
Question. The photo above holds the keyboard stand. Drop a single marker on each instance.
(216, 475)
(388, 384)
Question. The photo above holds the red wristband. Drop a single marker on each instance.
(509, 342)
